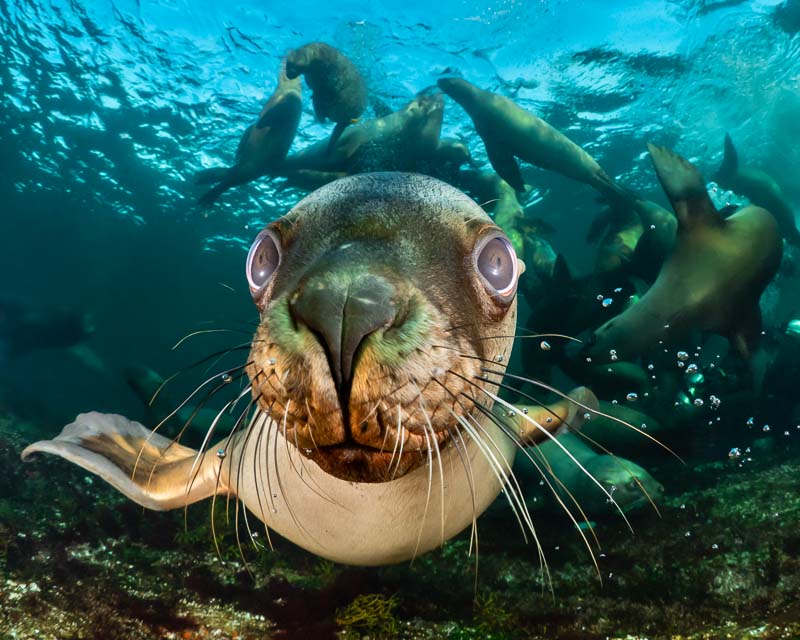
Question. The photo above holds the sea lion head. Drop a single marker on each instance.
(299, 60)
(382, 297)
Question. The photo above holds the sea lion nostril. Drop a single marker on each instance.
(342, 316)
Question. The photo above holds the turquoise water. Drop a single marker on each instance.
(108, 112)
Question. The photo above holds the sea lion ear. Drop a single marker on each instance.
(146, 467)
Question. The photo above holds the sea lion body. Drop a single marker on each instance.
(376, 436)
(264, 144)
(339, 93)
(713, 279)
(508, 131)
(393, 143)
(760, 188)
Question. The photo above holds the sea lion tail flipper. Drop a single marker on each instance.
(555, 418)
(148, 468)
(210, 176)
(730, 160)
(506, 166)
(683, 185)
(338, 130)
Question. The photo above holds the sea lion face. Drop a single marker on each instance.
(382, 298)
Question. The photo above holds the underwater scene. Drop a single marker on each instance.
(372, 319)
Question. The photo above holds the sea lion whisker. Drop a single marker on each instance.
(180, 406)
(428, 428)
(258, 470)
(197, 363)
(587, 408)
(398, 437)
(192, 334)
(299, 472)
(402, 433)
(282, 433)
(430, 480)
(467, 464)
(490, 458)
(201, 454)
(520, 445)
(569, 454)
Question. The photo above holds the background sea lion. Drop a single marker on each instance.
(395, 142)
(382, 296)
(264, 143)
(339, 92)
(713, 279)
(758, 187)
(507, 130)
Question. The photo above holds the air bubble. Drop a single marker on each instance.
(226, 378)
(652, 227)
(698, 402)
(632, 397)
(751, 421)
(766, 427)
(221, 454)
(607, 302)
(715, 402)
(735, 453)
(683, 356)
(272, 361)
(692, 368)
(587, 416)
(618, 290)
(650, 367)
(499, 358)
(545, 345)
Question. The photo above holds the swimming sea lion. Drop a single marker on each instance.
(713, 279)
(338, 90)
(395, 142)
(618, 231)
(630, 486)
(508, 131)
(386, 303)
(263, 145)
(760, 188)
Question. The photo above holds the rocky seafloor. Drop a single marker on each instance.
(78, 561)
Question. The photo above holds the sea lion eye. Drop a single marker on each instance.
(496, 262)
(262, 260)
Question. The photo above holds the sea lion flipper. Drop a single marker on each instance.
(683, 185)
(555, 418)
(146, 467)
(730, 160)
(506, 166)
(338, 130)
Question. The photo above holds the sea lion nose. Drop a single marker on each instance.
(342, 315)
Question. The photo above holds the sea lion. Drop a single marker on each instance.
(387, 308)
(713, 279)
(630, 486)
(393, 143)
(263, 145)
(508, 131)
(339, 93)
(26, 328)
(617, 232)
(760, 188)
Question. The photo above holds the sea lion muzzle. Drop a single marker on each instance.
(341, 314)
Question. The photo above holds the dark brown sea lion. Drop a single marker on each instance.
(263, 145)
(758, 187)
(338, 90)
(508, 131)
(713, 279)
(377, 434)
